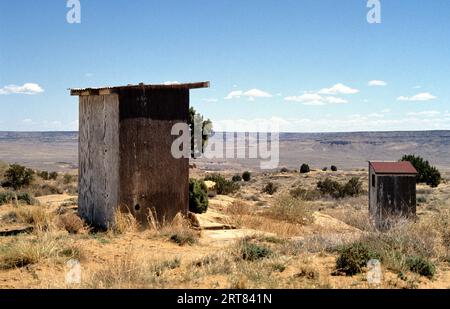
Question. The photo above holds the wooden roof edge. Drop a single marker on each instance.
(112, 90)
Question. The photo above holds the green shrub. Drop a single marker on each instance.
(237, 178)
(26, 198)
(67, 178)
(43, 174)
(426, 173)
(223, 186)
(246, 176)
(334, 168)
(304, 169)
(53, 176)
(270, 188)
(421, 199)
(18, 176)
(352, 188)
(353, 258)
(253, 252)
(184, 239)
(8, 197)
(330, 187)
(325, 169)
(421, 266)
(336, 190)
(284, 170)
(198, 196)
(303, 194)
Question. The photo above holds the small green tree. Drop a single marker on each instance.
(334, 168)
(223, 186)
(427, 174)
(53, 176)
(304, 169)
(246, 176)
(237, 178)
(43, 174)
(198, 196)
(195, 122)
(18, 176)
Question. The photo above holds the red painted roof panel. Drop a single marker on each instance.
(393, 168)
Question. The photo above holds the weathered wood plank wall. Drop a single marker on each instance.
(98, 158)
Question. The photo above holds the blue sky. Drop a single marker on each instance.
(305, 65)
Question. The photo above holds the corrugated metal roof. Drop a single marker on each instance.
(110, 90)
(393, 167)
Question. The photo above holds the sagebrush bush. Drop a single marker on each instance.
(270, 188)
(10, 196)
(336, 190)
(329, 187)
(253, 252)
(421, 266)
(334, 168)
(246, 176)
(67, 178)
(198, 196)
(237, 178)
(223, 186)
(284, 170)
(304, 169)
(18, 176)
(184, 238)
(303, 194)
(426, 173)
(353, 258)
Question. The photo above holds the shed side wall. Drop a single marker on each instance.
(98, 158)
(151, 179)
(397, 195)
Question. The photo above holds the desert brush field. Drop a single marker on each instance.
(276, 230)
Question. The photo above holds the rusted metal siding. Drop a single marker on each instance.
(98, 159)
(151, 179)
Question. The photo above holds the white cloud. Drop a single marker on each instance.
(251, 94)
(338, 89)
(28, 88)
(171, 82)
(417, 87)
(425, 114)
(335, 100)
(256, 93)
(385, 111)
(315, 99)
(88, 74)
(424, 96)
(27, 121)
(351, 123)
(234, 95)
(377, 83)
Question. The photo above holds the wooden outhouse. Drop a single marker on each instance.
(392, 192)
(125, 158)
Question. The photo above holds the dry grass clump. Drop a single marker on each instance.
(407, 241)
(38, 217)
(72, 223)
(289, 209)
(25, 251)
(124, 223)
(133, 271)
